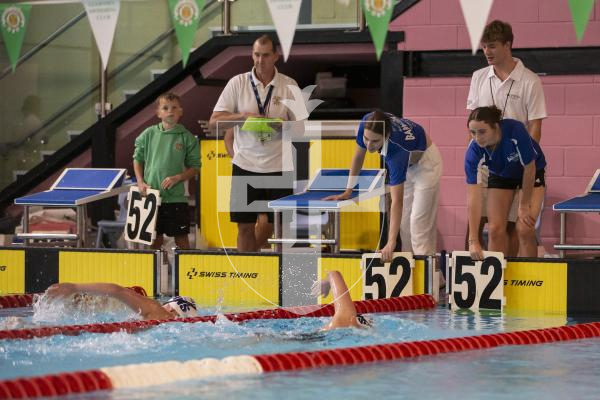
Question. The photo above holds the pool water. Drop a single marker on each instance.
(551, 371)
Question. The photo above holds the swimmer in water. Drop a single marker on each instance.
(147, 308)
(345, 313)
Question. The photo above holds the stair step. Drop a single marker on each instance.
(17, 173)
(72, 134)
(128, 93)
(45, 154)
(155, 73)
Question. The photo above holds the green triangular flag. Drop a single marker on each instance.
(580, 12)
(13, 20)
(378, 14)
(185, 15)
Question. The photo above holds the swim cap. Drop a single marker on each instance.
(184, 306)
(364, 321)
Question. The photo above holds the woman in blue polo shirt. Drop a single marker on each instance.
(516, 164)
(414, 167)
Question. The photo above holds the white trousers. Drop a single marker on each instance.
(418, 228)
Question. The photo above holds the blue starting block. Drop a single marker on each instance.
(588, 202)
(74, 188)
(327, 182)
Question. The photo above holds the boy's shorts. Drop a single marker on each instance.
(173, 219)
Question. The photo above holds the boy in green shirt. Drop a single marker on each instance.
(165, 156)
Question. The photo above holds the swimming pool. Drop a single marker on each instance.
(550, 371)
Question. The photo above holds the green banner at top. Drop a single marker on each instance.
(185, 15)
(13, 21)
(378, 14)
(580, 12)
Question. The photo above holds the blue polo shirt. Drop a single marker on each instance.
(406, 143)
(515, 150)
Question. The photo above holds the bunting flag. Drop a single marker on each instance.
(476, 13)
(103, 15)
(580, 12)
(13, 23)
(378, 14)
(185, 15)
(284, 14)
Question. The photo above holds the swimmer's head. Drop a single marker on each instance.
(181, 307)
(363, 321)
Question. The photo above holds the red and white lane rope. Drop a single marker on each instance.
(395, 304)
(150, 374)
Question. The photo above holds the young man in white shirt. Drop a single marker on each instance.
(257, 158)
(514, 89)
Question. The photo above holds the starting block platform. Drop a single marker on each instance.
(74, 188)
(327, 182)
(588, 202)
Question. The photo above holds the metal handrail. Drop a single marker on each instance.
(44, 43)
(159, 39)
(96, 85)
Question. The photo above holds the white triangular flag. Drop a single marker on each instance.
(476, 13)
(284, 14)
(103, 15)
(344, 2)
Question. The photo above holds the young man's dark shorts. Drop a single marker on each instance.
(173, 219)
(247, 188)
(499, 182)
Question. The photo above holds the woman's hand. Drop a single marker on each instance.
(336, 197)
(387, 253)
(475, 250)
(525, 215)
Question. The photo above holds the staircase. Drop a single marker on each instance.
(70, 130)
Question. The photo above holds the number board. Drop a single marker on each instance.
(391, 279)
(141, 215)
(477, 284)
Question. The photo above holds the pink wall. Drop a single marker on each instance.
(570, 134)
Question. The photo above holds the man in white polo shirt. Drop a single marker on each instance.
(258, 157)
(514, 89)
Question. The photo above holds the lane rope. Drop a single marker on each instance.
(159, 373)
(394, 304)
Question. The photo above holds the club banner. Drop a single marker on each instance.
(476, 13)
(580, 12)
(378, 14)
(284, 14)
(185, 15)
(14, 21)
(103, 15)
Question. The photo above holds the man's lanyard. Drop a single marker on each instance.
(507, 96)
(261, 106)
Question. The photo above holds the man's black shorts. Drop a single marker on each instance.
(499, 182)
(249, 187)
(173, 219)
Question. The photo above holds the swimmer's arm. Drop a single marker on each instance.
(344, 307)
(146, 307)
